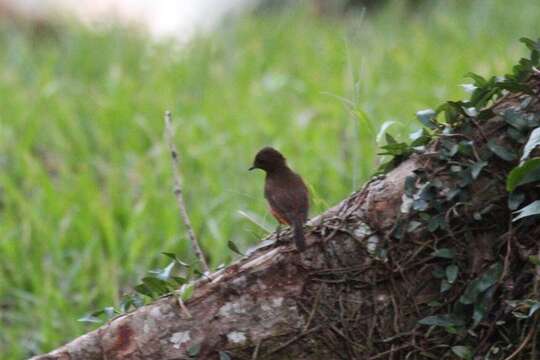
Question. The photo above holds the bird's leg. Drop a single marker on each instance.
(278, 233)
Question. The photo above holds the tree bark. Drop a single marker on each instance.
(352, 294)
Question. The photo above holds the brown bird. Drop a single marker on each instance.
(285, 192)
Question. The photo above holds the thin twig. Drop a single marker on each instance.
(179, 193)
(314, 308)
(255, 355)
(392, 350)
(528, 338)
(294, 339)
(536, 295)
(509, 237)
(183, 306)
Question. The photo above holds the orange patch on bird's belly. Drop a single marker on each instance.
(281, 219)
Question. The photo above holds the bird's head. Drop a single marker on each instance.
(268, 159)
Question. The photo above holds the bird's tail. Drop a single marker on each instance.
(299, 237)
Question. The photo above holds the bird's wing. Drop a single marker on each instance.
(289, 198)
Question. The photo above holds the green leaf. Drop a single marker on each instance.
(485, 114)
(390, 139)
(179, 280)
(477, 167)
(449, 148)
(165, 273)
(501, 151)
(523, 69)
(525, 173)
(515, 199)
(93, 317)
(410, 185)
(479, 312)
(232, 246)
(523, 309)
(516, 135)
(481, 96)
(387, 166)
(533, 308)
(452, 193)
(383, 130)
(110, 311)
(170, 255)
(427, 118)
(451, 273)
(200, 273)
(452, 110)
(515, 119)
(479, 81)
(444, 253)
(482, 306)
(438, 273)
(535, 260)
(131, 300)
(90, 318)
(175, 258)
(427, 192)
(396, 149)
(445, 285)
(436, 222)
(463, 352)
(471, 292)
(224, 356)
(144, 290)
(481, 284)
(156, 285)
(513, 85)
(532, 143)
(465, 147)
(465, 178)
(491, 276)
(420, 138)
(420, 205)
(533, 120)
(444, 320)
(413, 226)
(525, 103)
(416, 134)
(529, 210)
(531, 44)
(186, 291)
(194, 350)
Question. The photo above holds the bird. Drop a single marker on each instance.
(285, 191)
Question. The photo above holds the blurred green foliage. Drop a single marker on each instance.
(86, 202)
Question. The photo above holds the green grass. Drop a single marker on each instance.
(85, 177)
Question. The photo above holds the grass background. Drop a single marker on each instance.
(85, 177)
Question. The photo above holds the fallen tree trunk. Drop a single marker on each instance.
(371, 271)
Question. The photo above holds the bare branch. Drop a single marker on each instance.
(178, 192)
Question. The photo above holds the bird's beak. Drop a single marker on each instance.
(252, 168)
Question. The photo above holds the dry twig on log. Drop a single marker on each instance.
(178, 192)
